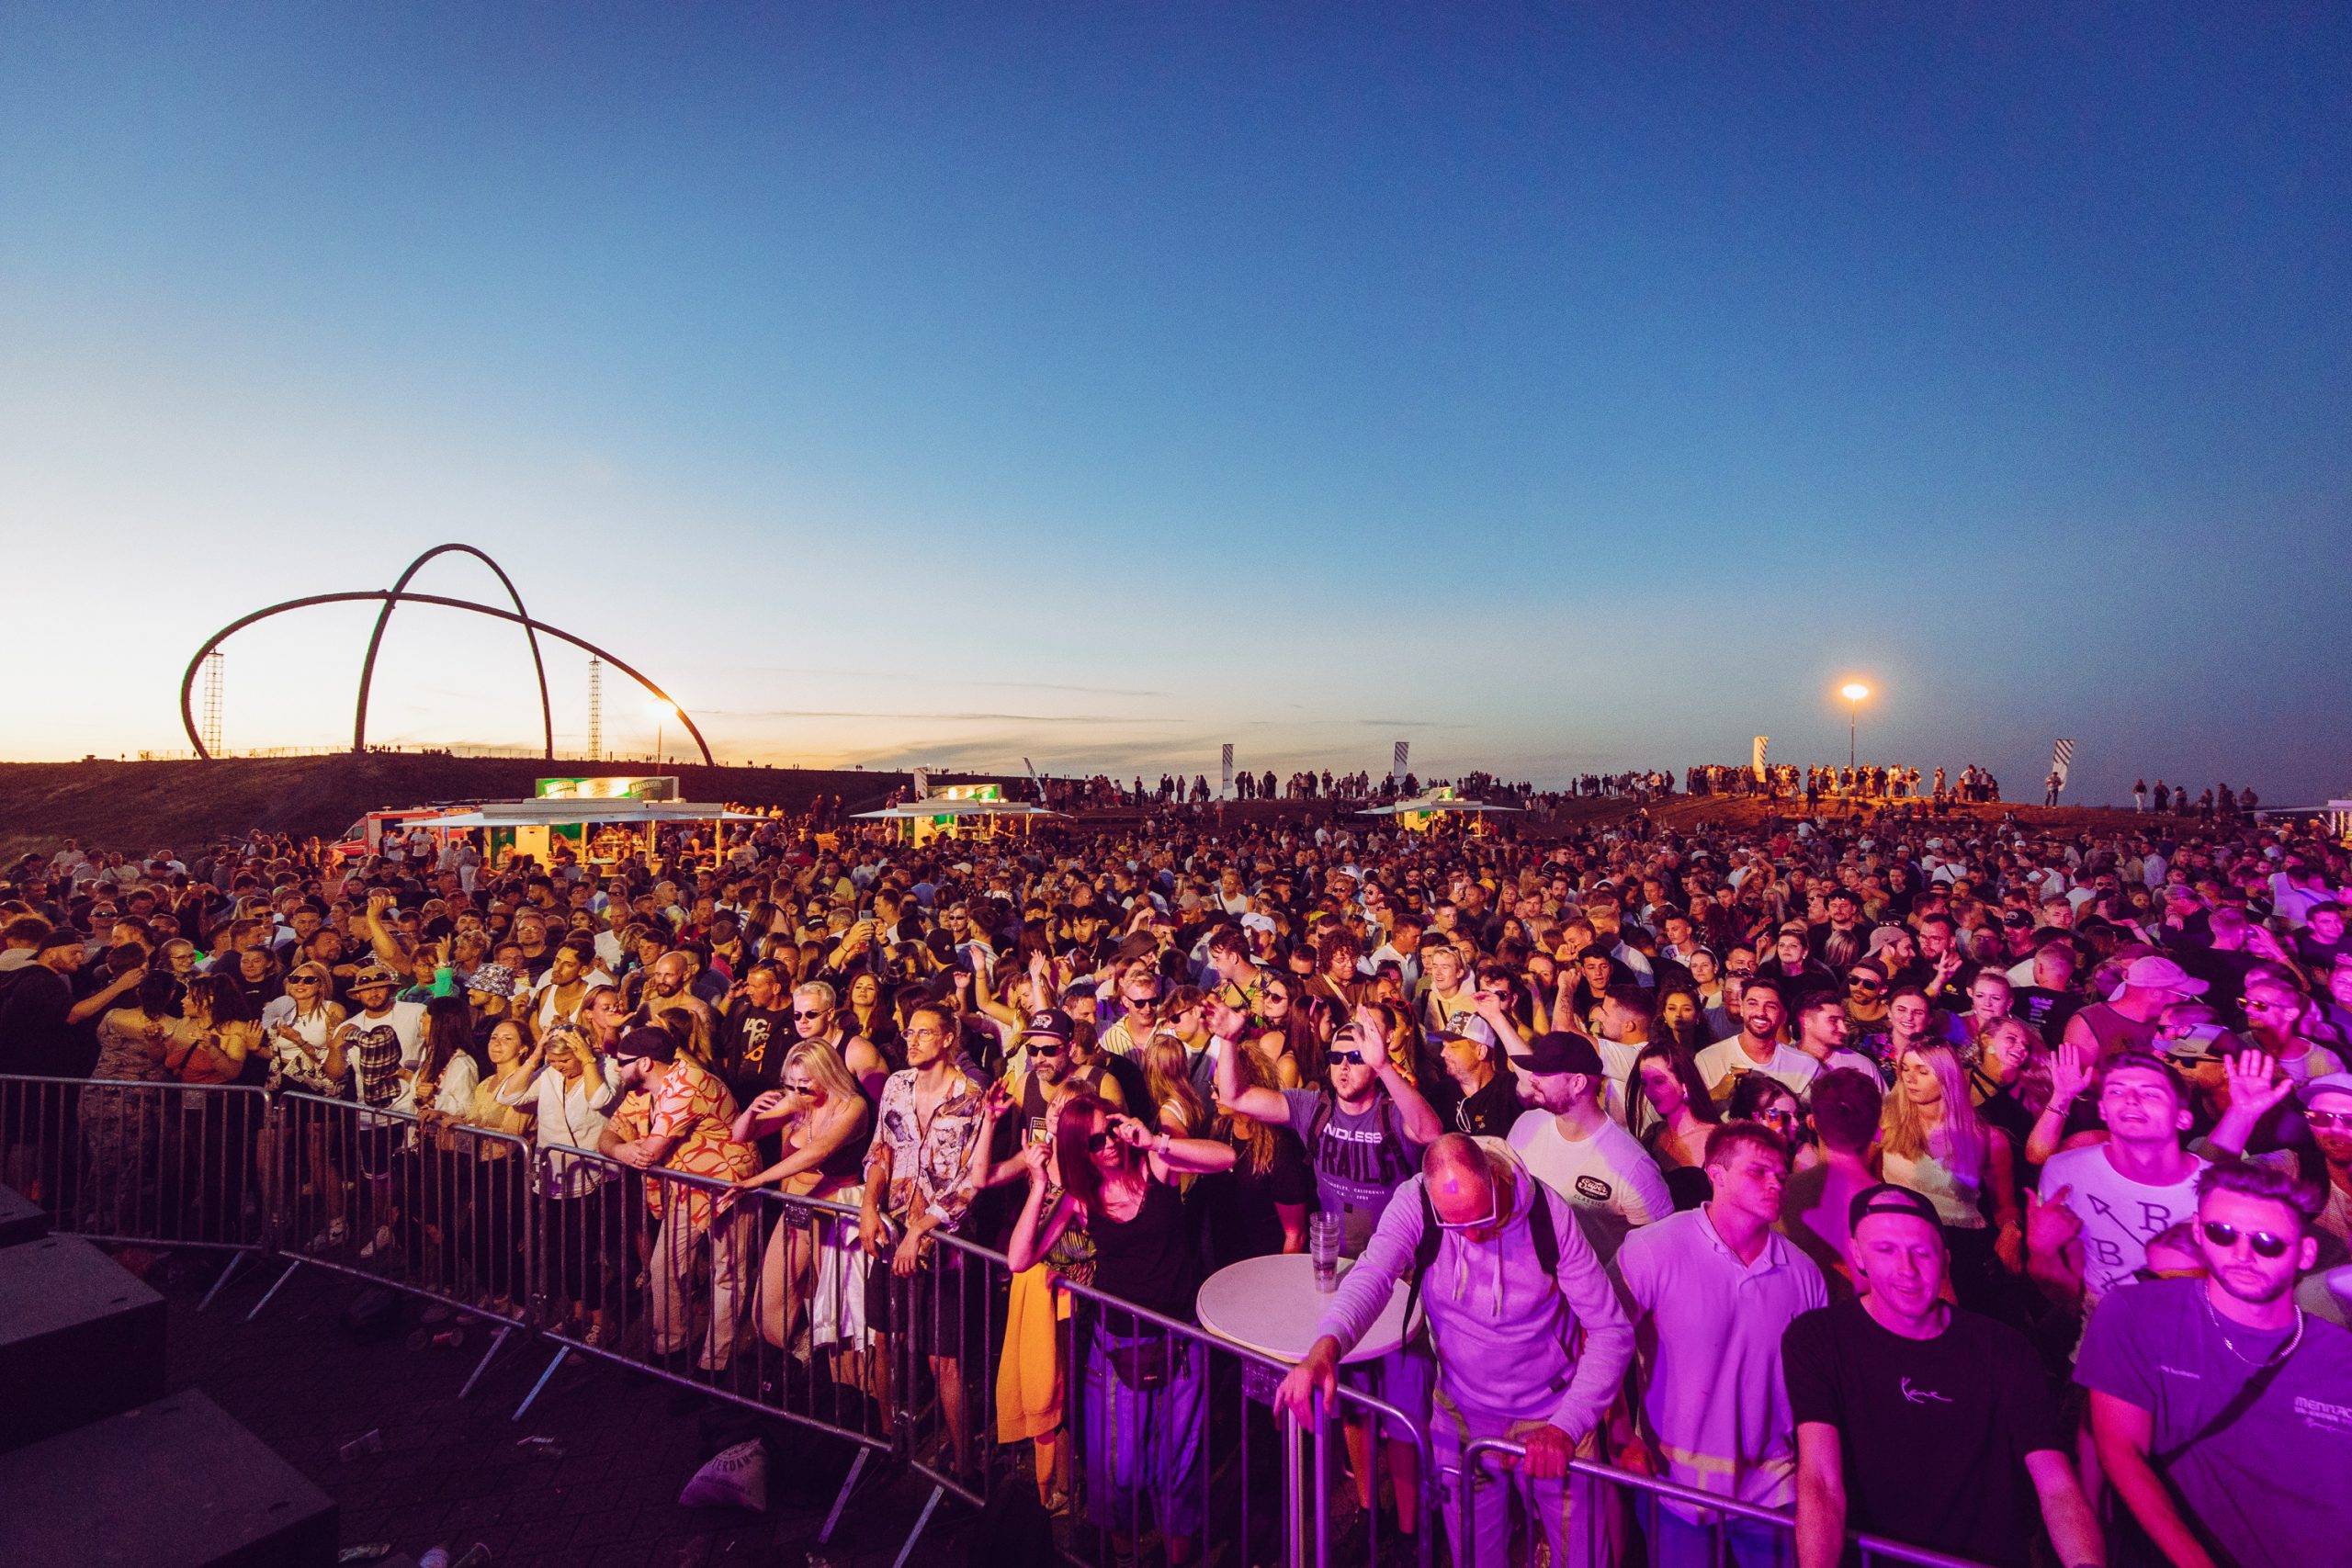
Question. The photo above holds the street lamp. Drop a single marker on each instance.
(1853, 691)
(662, 712)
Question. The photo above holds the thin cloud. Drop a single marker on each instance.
(969, 717)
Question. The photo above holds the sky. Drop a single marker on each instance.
(1558, 388)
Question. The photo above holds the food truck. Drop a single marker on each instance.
(968, 811)
(601, 820)
(1423, 812)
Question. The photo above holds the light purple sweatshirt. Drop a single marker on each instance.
(1503, 1331)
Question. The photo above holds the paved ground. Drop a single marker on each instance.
(451, 1472)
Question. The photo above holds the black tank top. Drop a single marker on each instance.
(1147, 1261)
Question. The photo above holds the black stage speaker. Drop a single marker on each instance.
(79, 1338)
(172, 1485)
(22, 1220)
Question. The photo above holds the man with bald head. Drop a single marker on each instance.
(1505, 1307)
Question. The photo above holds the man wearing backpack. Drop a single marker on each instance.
(1529, 1340)
(1366, 1144)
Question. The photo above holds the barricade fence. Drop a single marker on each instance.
(1151, 1440)
(1595, 1513)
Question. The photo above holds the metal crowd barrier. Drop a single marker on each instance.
(1157, 1437)
(426, 1205)
(747, 1296)
(1607, 1504)
(139, 1164)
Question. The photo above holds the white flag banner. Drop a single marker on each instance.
(1763, 743)
(922, 783)
(1228, 767)
(2062, 760)
(1396, 760)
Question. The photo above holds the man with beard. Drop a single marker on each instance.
(752, 1040)
(666, 990)
(2220, 1407)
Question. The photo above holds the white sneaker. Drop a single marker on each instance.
(383, 1243)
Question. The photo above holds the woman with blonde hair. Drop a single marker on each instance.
(821, 1114)
(1933, 1141)
(1167, 1071)
(1260, 1206)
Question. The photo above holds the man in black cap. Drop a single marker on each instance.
(1574, 1146)
(1922, 1422)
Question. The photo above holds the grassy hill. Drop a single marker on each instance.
(139, 806)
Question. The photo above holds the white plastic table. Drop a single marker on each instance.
(1270, 1305)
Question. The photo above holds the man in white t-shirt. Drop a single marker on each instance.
(383, 1044)
(1758, 1047)
(2088, 1232)
(1575, 1148)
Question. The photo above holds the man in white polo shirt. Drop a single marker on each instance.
(1712, 1290)
(1758, 1047)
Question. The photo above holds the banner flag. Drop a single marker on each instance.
(1762, 743)
(2062, 760)
(1228, 767)
(1397, 761)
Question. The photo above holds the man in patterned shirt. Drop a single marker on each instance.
(927, 1161)
(677, 1116)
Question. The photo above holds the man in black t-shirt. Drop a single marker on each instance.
(755, 1034)
(1921, 1422)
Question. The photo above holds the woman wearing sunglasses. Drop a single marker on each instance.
(1145, 1390)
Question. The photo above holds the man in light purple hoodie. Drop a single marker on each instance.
(1523, 1353)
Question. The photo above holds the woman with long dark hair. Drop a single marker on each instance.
(1146, 1390)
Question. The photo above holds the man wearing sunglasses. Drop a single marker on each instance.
(1525, 1351)
(2224, 1413)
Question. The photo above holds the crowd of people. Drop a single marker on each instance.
(1929, 1174)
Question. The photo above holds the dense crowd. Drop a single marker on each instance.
(1932, 1176)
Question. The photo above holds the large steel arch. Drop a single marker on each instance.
(389, 597)
(376, 640)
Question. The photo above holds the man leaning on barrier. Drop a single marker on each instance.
(1526, 1352)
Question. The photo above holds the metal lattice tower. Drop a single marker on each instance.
(214, 663)
(595, 710)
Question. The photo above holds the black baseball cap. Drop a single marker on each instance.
(650, 1040)
(1559, 1052)
(1050, 1023)
(1888, 1199)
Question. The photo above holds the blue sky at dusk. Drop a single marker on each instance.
(1558, 388)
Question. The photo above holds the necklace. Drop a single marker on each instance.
(2223, 1335)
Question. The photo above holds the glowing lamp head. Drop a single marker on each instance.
(1853, 691)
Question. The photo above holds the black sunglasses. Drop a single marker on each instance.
(800, 1012)
(1097, 1141)
(2265, 1243)
(1354, 1058)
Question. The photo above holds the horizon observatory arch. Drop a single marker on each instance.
(400, 593)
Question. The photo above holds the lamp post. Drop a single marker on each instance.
(1853, 691)
(660, 711)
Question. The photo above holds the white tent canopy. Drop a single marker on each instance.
(926, 810)
(565, 811)
(1432, 804)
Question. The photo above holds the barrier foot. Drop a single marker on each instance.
(529, 1399)
(482, 1366)
(272, 1292)
(236, 1261)
(930, 1504)
(840, 1500)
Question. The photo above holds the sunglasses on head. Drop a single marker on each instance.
(2265, 1244)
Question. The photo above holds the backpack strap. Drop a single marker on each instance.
(1424, 1258)
(1547, 1240)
